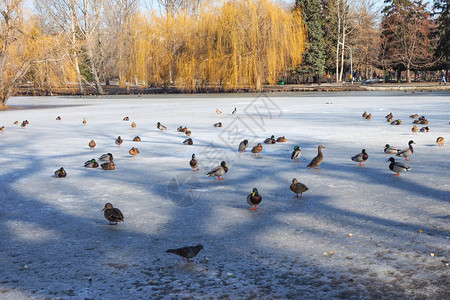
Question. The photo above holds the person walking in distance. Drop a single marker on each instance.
(443, 77)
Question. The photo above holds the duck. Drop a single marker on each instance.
(218, 111)
(391, 150)
(186, 252)
(126, 119)
(296, 153)
(194, 163)
(58, 118)
(188, 132)
(106, 157)
(270, 140)
(234, 111)
(243, 145)
(440, 141)
(112, 214)
(396, 122)
(133, 124)
(26, 122)
(218, 124)
(119, 141)
(188, 141)
(414, 129)
(316, 161)
(408, 151)
(91, 163)
(160, 127)
(109, 166)
(181, 129)
(361, 157)
(3, 128)
(389, 116)
(364, 115)
(136, 139)
(92, 144)
(281, 139)
(254, 199)
(218, 171)
(369, 116)
(16, 122)
(185, 129)
(424, 129)
(389, 120)
(424, 122)
(414, 116)
(298, 187)
(397, 166)
(23, 124)
(134, 151)
(257, 149)
(84, 121)
(60, 173)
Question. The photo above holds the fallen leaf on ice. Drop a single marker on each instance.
(420, 230)
(325, 253)
(432, 254)
(350, 234)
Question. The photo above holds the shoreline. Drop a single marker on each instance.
(324, 87)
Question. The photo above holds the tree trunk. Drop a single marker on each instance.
(408, 75)
(74, 41)
(93, 67)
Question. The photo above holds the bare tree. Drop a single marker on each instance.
(14, 54)
(79, 21)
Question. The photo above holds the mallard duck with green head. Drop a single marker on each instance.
(254, 199)
(408, 151)
(361, 157)
(106, 157)
(188, 141)
(397, 167)
(91, 163)
(119, 141)
(243, 145)
(296, 153)
(218, 171)
(60, 173)
(391, 150)
(194, 163)
(161, 127)
(270, 140)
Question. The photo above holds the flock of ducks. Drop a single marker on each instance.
(114, 215)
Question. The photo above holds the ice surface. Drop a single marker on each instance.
(358, 232)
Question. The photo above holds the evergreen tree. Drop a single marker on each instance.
(441, 8)
(314, 57)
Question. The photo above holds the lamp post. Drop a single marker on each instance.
(351, 62)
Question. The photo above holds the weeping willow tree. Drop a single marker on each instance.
(239, 44)
(51, 65)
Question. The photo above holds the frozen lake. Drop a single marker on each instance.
(358, 232)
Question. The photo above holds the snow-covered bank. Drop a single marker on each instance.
(358, 232)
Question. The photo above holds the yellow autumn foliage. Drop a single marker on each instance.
(239, 44)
